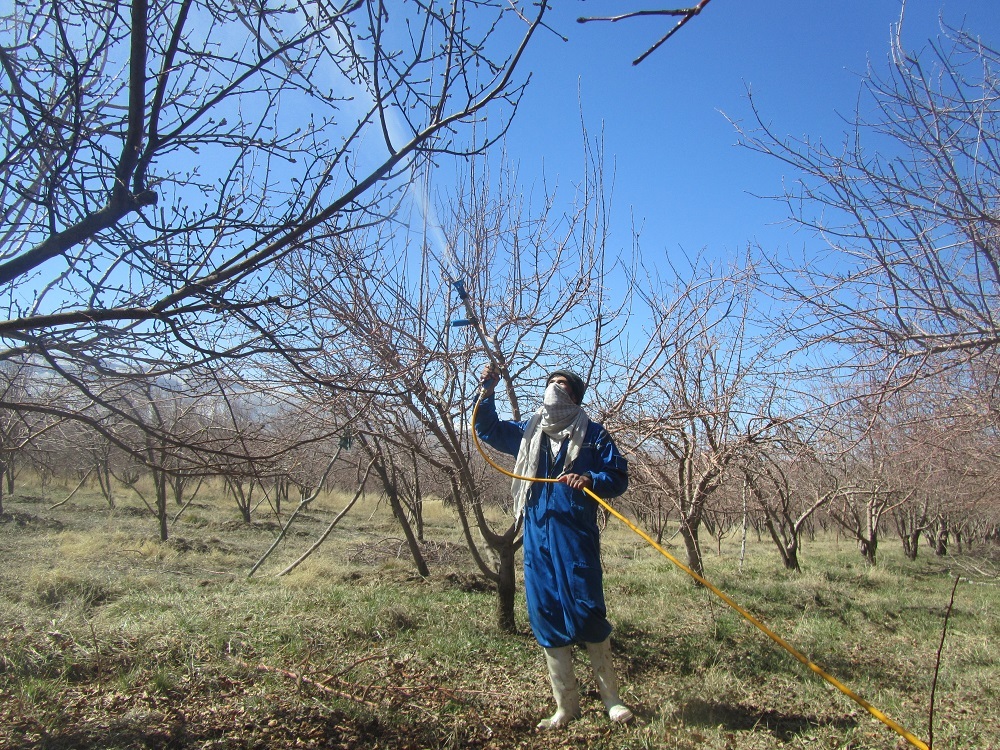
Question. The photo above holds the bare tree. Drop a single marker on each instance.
(701, 395)
(864, 446)
(907, 210)
(181, 416)
(787, 485)
(525, 285)
(104, 458)
(400, 489)
(17, 426)
(952, 457)
(159, 159)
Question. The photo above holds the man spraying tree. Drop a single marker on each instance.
(563, 581)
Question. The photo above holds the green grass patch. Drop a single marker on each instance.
(111, 638)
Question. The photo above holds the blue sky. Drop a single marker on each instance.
(678, 170)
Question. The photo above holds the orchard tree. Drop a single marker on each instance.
(907, 212)
(17, 426)
(788, 487)
(866, 443)
(160, 159)
(700, 396)
(527, 286)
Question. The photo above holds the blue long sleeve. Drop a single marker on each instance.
(610, 472)
(505, 436)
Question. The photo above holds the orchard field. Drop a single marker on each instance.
(114, 639)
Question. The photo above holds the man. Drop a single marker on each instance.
(563, 580)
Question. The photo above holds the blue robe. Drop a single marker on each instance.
(563, 581)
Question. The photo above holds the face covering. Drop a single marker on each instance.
(558, 410)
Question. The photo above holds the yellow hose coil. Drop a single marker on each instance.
(900, 730)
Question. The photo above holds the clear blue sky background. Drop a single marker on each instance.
(678, 169)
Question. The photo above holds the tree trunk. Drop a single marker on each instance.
(790, 557)
(417, 507)
(689, 532)
(506, 588)
(789, 550)
(280, 494)
(245, 512)
(411, 539)
(104, 480)
(387, 475)
(244, 500)
(160, 481)
(941, 541)
(868, 549)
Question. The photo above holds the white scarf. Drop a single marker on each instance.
(558, 417)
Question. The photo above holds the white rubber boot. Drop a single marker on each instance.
(607, 680)
(564, 687)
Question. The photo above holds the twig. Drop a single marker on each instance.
(694, 11)
(302, 679)
(686, 15)
(638, 14)
(937, 667)
(315, 546)
(349, 667)
(63, 502)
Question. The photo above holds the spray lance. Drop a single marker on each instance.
(489, 343)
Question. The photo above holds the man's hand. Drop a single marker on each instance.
(577, 481)
(489, 379)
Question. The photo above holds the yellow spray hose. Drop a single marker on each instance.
(900, 730)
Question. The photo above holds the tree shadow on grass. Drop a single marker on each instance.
(784, 726)
(282, 730)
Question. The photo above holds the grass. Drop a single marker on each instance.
(112, 639)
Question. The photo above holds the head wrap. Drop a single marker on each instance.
(560, 418)
(575, 382)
